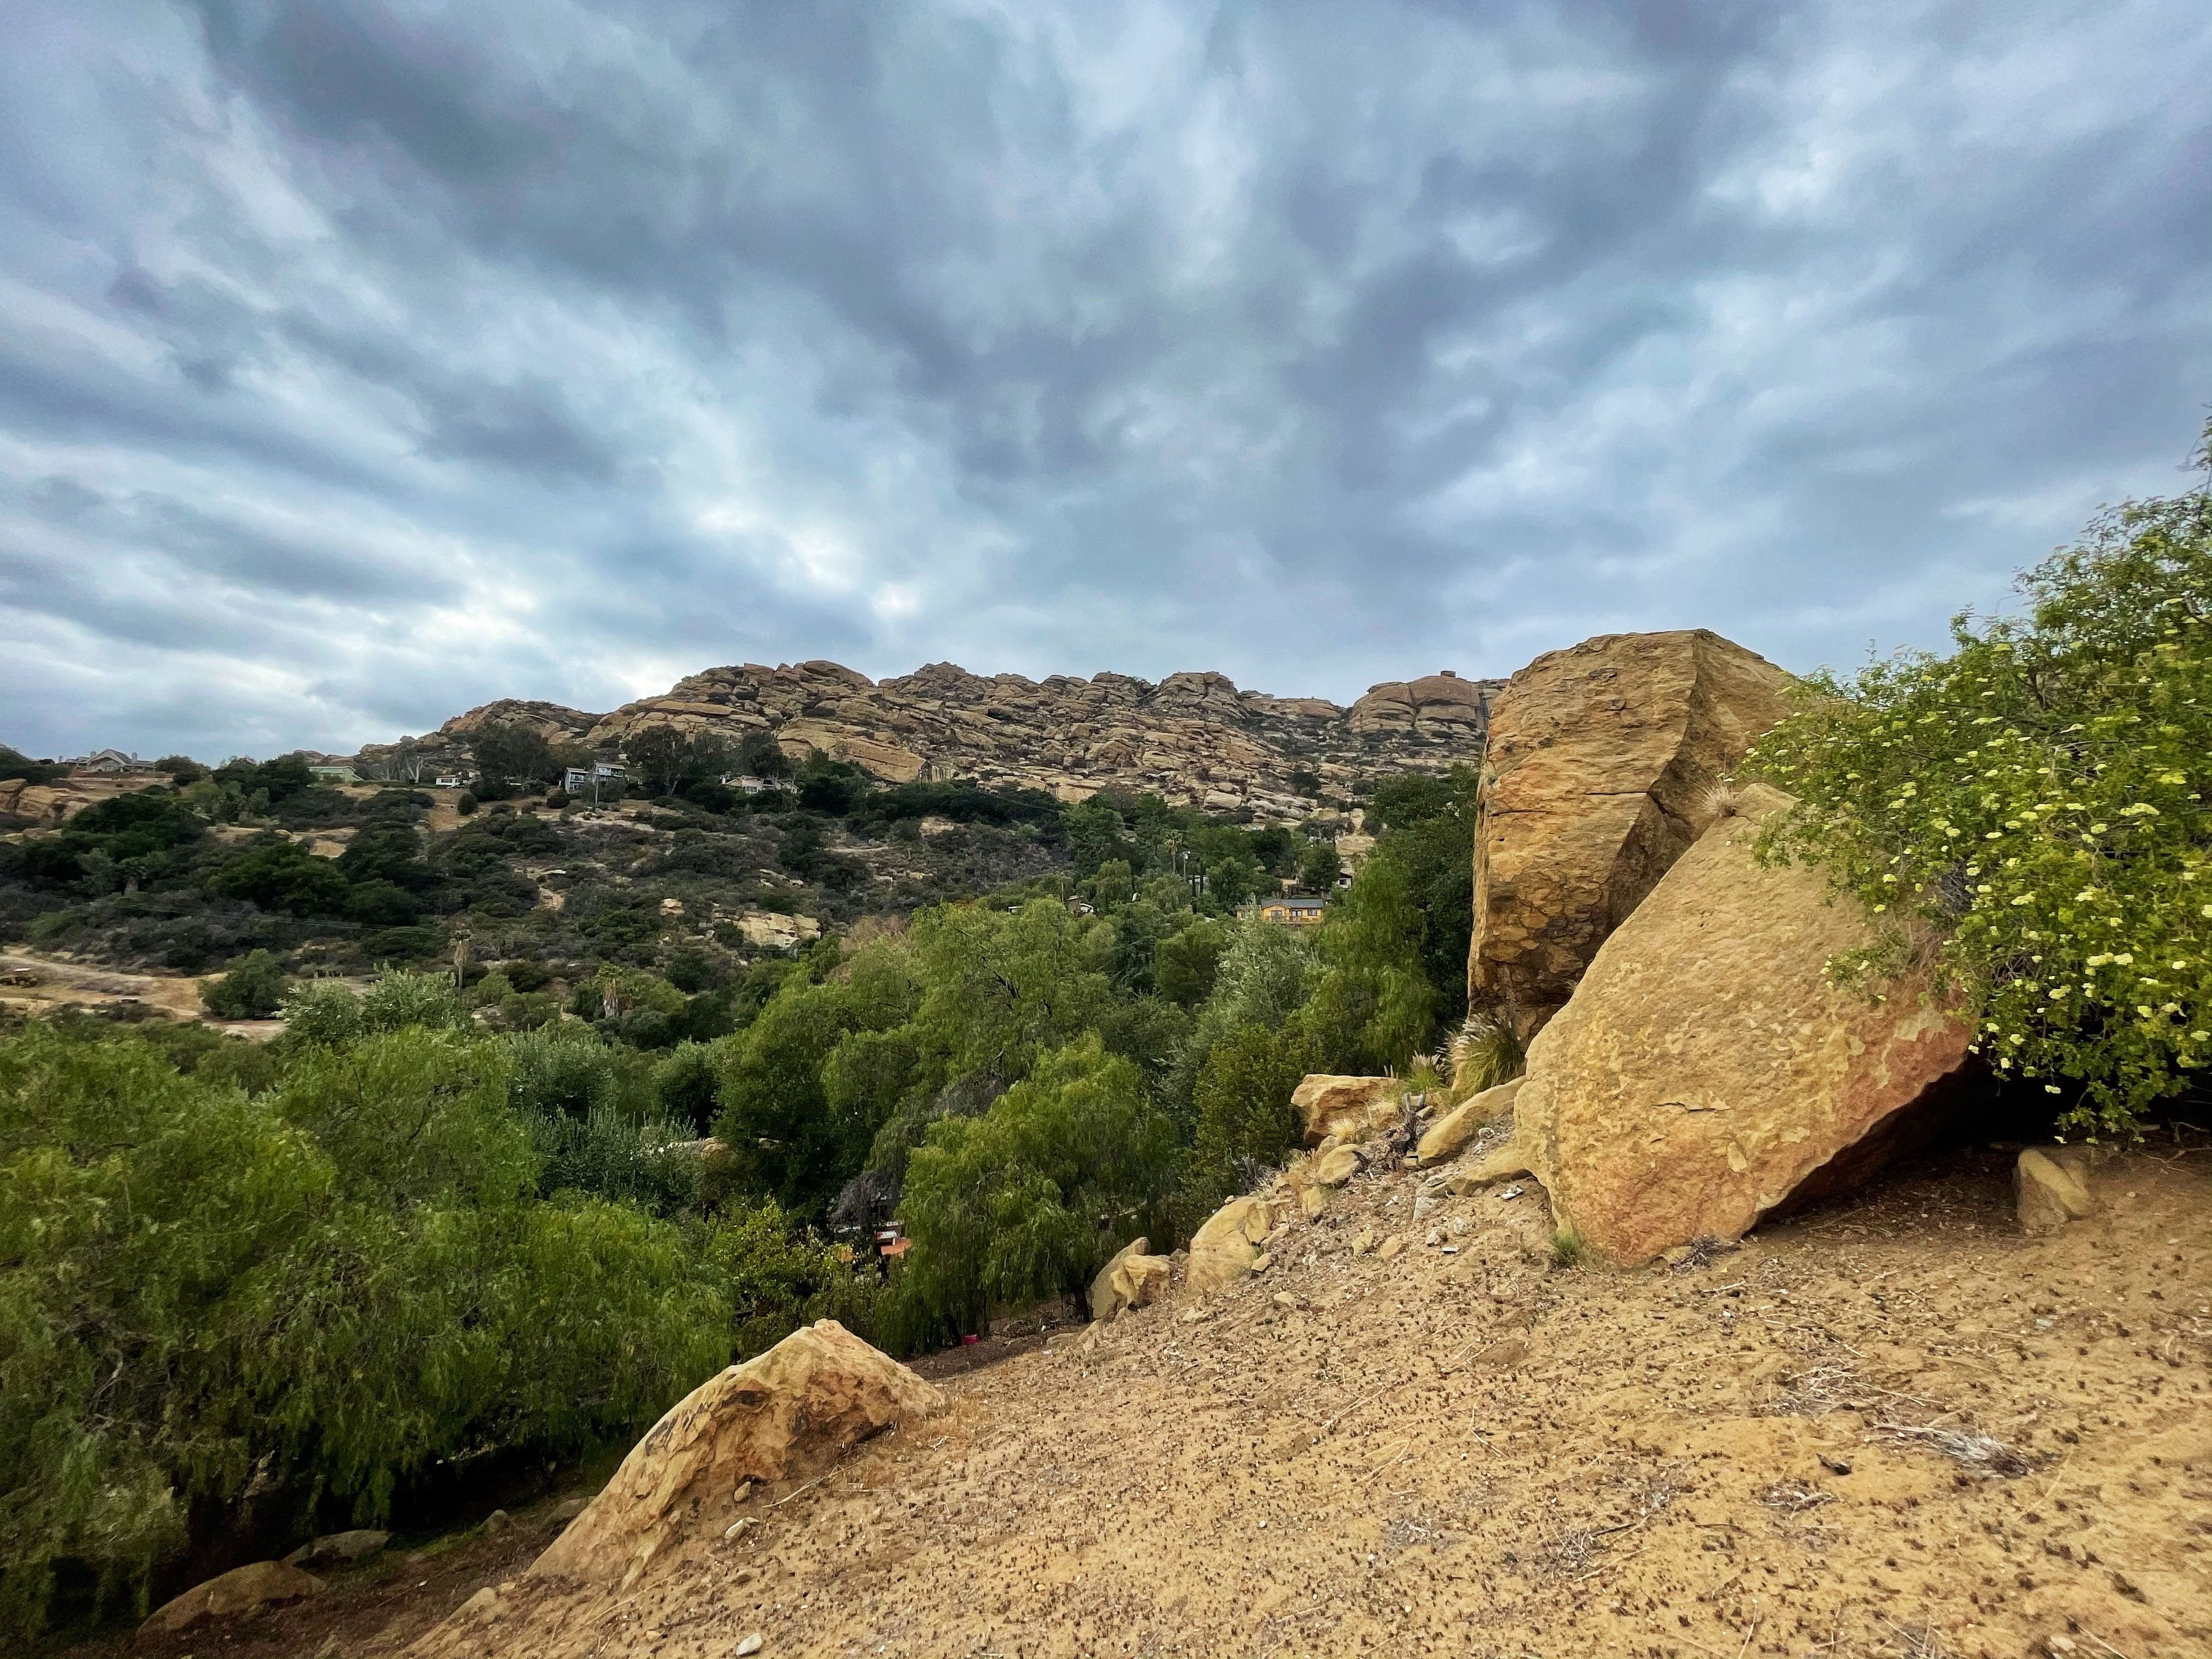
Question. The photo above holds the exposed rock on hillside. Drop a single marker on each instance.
(234, 1593)
(1707, 1067)
(1193, 738)
(1600, 759)
(796, 1408)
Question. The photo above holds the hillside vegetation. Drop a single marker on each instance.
(247, 1289)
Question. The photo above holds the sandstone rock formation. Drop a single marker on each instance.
(1600, 759)
(1133, 1278)
(790, 1411)
(1227, 1244)
(234, 1593)
(1193, 738)
(2048, 1190)
(1448, 1137)
(1348, 1108)
(1707, 1067)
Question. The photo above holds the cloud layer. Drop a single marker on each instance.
(360, 362)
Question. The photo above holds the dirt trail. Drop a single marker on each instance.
(1476, 1454)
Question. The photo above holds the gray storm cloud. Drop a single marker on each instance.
(361, 362)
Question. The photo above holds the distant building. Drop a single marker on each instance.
(1291, 912)
(108, 764)
(334, 773)
(580, 779)
(455, 779)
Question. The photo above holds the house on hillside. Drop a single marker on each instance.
(334, 772)
(1291, 912)
(580, 779)
(108, 764)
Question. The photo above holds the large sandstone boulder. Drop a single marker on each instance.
(1226, 1246)
(1133, 1278)
(1708, 1068)
(233, 1594)
(1349, 1108)
(792, 1411)
(1600, 760)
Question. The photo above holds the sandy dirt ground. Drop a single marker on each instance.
(37, 983)
(1893, 1427)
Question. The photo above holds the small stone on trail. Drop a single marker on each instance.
(2047, 1193)
(1365, 1242)
(744, 1491)
(1190, 1315)
(750, 1645)
(1284, 1299)
(1835, 1465)
(1391, 1246)
(497, 1523)
(1504, 1356)
(1435, 1235)
(740, 1527)
(1261, 1262)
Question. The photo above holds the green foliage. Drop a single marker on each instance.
(561, 1071)
(333, 1288)
(333, 1015)
(1186, 960)
(1029, 1199)
(1569, 1249)
(1484, 1054)
(15, 764)
(1374, 1007)
(511, 752)
(2034, 801)
(253, 990)
(1245, 1119)
(608, 1154)
(1319, 866)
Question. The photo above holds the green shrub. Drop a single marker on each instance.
(1029, 1199)
(254, 989)
(2035, 802)
(331, 1289)
(1245, 1118)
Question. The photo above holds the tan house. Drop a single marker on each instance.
(1292, 912)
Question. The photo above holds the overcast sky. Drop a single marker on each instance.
(361, 362)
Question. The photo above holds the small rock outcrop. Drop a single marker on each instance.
(790, 1411)
(233, 1594)
(339, 1549)
(2048, 1190)
(1349, 1108)
(1449, 1135)
(1227, 1245)
(1600, 760)
(1133, 1278)
(1707, 1067)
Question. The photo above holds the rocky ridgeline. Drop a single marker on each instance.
(1195, 738)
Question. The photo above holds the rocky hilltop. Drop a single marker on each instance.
(1195, 738)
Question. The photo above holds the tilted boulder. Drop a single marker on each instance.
(1600, 761)
(1228, 1243)
(1708, 1068)
(1349, 1108)
(1448, 1137)
(234, 1593)
(792, 1411)
(1133, 1278)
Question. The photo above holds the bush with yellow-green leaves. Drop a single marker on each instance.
(2035, 800)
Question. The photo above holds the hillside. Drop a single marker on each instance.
(1474, 1452)
(1194, 738)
